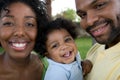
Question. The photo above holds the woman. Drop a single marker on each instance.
(20, 21)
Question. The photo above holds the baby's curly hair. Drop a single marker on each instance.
(38, 7)
(57, 24)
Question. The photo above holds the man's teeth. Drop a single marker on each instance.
(98, 30)
(100, 27)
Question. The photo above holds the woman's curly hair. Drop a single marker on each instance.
(39, 9)
(58, 24)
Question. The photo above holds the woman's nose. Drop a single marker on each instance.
(19, 31)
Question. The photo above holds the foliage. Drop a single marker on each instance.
(1, 50)
(68, 14)
(83, 44)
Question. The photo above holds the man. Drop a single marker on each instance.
(101, 19)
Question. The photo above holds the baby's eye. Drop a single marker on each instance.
(68, 39)
(54, 46)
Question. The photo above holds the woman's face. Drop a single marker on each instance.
(18, 30)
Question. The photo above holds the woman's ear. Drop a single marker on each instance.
(46, 54)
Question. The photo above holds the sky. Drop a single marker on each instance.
(61, 5)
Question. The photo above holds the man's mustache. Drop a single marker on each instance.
(97, 23)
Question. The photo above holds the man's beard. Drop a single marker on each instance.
(113, 35)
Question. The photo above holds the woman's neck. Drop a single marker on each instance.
(15, 62)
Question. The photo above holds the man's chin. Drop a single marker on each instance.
(101, 40)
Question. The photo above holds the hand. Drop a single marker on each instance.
(86, 66)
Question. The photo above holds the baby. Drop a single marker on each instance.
(58, 45)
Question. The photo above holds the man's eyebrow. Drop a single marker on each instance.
(91, 3)
(78, 11)
(94, 1)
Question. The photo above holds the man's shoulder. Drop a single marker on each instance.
(94, 48)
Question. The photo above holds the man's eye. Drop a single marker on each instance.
(82, 15)
(100, 5)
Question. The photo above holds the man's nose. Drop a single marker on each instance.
(91, 18)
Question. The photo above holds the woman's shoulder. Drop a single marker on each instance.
(1, 55)
(1, 59)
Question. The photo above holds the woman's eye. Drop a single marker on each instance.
(30, 24)
(8, 24)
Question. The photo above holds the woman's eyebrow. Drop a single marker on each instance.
(30, 17)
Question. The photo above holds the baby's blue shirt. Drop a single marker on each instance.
(59, 71)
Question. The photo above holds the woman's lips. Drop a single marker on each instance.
(19, 46)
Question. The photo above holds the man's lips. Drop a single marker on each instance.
(99, 30)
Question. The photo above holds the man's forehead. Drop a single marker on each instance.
(87, 3)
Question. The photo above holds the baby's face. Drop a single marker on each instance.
(61, 46)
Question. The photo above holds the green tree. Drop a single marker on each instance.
(69, 14)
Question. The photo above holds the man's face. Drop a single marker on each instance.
(100, 18)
